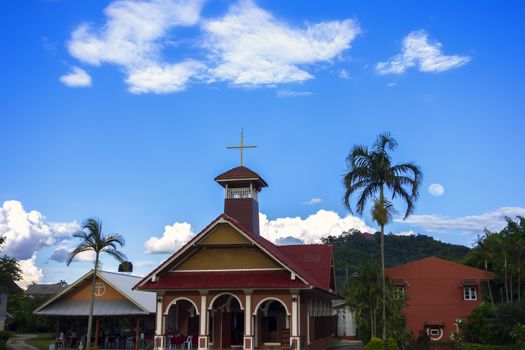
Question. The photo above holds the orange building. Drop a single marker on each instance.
(439, 292)
(123, 318)
(231, 288)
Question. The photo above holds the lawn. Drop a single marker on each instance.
(42, 340)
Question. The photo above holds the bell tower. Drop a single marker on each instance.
(241, 192)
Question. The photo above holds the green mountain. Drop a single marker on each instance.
(352, 248)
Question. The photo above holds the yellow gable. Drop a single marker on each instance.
(224, 234)
(103, 291)
(225, 248)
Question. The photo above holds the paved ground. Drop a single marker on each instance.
(18, 342)
(349, 345)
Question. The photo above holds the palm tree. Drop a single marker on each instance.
(364, 295)
(485, 250)
(93, 240)
(372, 172)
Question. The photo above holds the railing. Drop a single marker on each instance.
(244, 192)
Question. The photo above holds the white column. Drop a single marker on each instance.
(248, 315)
(203, 314)
(295, 339)
(248, 326)
(159, 324)
(295, 315)
(203, 317)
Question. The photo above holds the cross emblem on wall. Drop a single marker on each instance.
(100, 289)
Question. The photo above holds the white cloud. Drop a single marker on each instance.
(418, 51)
(163, 79)
(133, 37)
(292, 93)
(280, 230)
(27, 232)
(312, 228)
(405, 233)
(391, 84)
(343, 74)
(173, 238)
(253, 48)
(492, 220)
(30, 272)
(437, 190)
(313, 201)
(247, 46)
(76, 78)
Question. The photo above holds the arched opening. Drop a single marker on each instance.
(226, 322)
(272, 323)
(182, 322)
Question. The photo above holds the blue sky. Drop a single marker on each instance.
(122, 110)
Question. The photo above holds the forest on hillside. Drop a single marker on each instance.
(354, 247)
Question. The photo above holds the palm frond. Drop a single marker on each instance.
(407, 198)
(79, 249)
(118, 255)
(113, 240)
(358, 157)
(368, 193)
(385, 141)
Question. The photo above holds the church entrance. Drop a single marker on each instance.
(272, 324)
(182, 322)
(226, 323)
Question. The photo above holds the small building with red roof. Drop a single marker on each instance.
(229, 287)
(439, 293)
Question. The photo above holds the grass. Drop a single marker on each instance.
(42, 340)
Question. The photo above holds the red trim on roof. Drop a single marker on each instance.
(241, 173)
(289, 257)
(223, 279)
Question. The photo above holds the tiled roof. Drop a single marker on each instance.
(241, 173)
(44, 289)
(225, 279)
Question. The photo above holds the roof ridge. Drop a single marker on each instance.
(305, 244)
(120, 274)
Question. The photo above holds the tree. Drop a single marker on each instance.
(93, 240)
(503, 252)
(365, 298)
(9, 269)
(372, 172)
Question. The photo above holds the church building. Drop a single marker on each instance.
(229, 287)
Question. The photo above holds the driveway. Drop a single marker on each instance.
(18, 342)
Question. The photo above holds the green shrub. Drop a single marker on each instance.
(2, 345)
(494, 324)
(391, 344)
(374, 344)
(4, 335)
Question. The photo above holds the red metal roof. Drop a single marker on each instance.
(315, 259)
(241, 173)
(316, 274)
(223, 280)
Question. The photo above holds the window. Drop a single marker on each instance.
(435, 333)
(469, 293)
(399, 292)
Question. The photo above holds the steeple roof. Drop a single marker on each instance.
(240, 173)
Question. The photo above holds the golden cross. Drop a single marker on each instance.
(241, 146)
